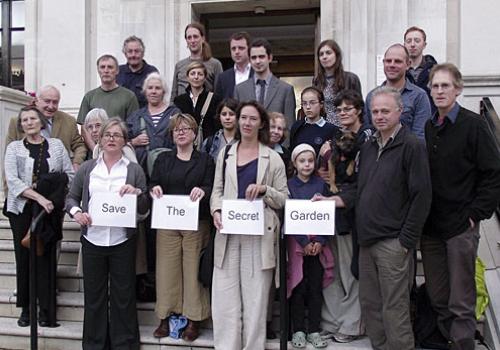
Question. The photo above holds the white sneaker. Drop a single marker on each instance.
(344, 338)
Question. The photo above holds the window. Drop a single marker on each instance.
(12, 23)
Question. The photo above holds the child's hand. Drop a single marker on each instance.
(308, 249)
(317, 248)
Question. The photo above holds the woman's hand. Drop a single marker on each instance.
(217, 220)
(196, 194)
(253, 191)
(47, 205)
(141, 140)
(129, 189)
(83, 219)
(156, 191)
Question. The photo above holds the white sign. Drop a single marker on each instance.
(304, 217)
(243, 217)
(110, 209)
(173, 212)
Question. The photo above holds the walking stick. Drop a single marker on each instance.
(33, 277)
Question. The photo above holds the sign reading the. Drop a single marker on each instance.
(175, 212)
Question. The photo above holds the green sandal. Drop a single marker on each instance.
(316, 340)
(299, 340)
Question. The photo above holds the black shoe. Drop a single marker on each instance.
(270, 334)
(24, 319)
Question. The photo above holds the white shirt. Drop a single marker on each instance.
(102, 181)
(240, 76)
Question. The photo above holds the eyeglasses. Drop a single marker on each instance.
(182, 130)
(109, 136)
(309, 103)
(339, 110)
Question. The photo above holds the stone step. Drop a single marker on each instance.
(68, 255)
(71, 231)
(68, 337)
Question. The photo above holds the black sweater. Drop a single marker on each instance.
(465, 172)
(393, 192)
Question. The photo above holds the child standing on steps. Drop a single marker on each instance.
(310, 260)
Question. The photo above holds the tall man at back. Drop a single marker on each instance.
(132, 74)
(465, 172)
(275, 95)
(239, 44)
(116, 100)
(420, 64)
(416, 107)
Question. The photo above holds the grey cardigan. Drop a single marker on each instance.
(19, 165)
(78, 195)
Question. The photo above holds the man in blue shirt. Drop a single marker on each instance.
(416, 105)
(134, 72)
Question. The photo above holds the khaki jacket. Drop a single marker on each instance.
(270, 172)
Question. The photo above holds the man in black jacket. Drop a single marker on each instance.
(465, 173)
(392, 200)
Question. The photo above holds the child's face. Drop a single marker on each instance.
(277, 128)
(304, 163)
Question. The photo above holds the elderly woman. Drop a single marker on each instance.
(148, 126)
(183, 171)
(198, 101)
(244, 264)
(110, 315)
(28, 163)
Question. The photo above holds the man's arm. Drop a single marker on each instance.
(289, 106)
(133, 105)
(422, 114)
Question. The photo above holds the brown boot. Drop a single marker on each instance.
(163, 329)
(192, 331)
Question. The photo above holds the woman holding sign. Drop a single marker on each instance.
(110, 314)
(244, 264)
(182, 171)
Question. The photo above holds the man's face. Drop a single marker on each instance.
(385, 113)
(239, 51)
(259, 59)
(107, 70)
(395, 64)
(443, 91)
(48, 102)
(415, 43)
(134, 53)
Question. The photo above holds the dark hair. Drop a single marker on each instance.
(40, 115)
(319, 93)
(206, 52)
(230, 103)
(107, 57)
(415, 29)
(264, 43)
(241, 35)
(352, 97)
(264, 134)
(338, 68)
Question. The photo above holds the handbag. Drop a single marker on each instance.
(198, 141)
(25, 242)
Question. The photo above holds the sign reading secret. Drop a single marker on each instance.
(303, 217)
(110, 209)
(242, 217)
(175, 212)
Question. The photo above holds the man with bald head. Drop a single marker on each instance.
(60, 125)
(416, 105)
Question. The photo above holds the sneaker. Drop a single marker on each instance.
(344, 338)
(326, 335)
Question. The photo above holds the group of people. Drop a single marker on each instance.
(410, 165)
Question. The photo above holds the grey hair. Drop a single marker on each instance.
(386, 90)
(45, 88)
(155, 76)
(96, 113)
(131, 39)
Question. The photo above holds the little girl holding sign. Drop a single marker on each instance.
(310, 260)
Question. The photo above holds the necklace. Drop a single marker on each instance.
(38, 162)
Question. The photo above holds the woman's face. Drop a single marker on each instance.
(183, 134)
(113, 139)
(277, 129)
(94, 128)
(327, 57)
(228, 118)
(196, 78)
(348, 115)
(154, 92)
(249, 123)
(311, 105)
(194, 40)
(31, 123)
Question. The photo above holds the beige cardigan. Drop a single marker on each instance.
(270, 172)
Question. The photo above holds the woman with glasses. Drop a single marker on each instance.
(182, 171)
(331, 77)
(108, 253)
(313, 129)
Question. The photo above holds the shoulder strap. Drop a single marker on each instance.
(226, 154)
(205, 106)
